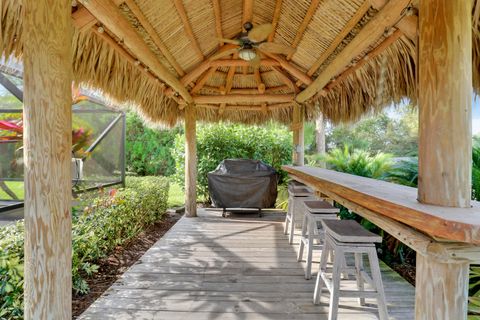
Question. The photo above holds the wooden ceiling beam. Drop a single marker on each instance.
(218, 19)
(339, 38)
(229, 79)
(230, 75)
(188, 28)
(203, 79)
(199, 69)
(408, 24)
(247, 90)
(262, 107)
(244, 98)
(247, 12)
(303, 26)
(276, 17)
(285, 79)
(109, 15)
(258, 79)
(243, 63)
(154, 36)
(84, 20)
(370, 33)
(290, 68)
(368, 57)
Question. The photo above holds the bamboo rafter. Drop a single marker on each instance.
(276, 16)
(188, 28)
(154, 35)
(306, 21)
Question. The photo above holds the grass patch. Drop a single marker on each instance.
(16, 187)
(176, 196)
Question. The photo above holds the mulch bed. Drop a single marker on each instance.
(112, 267)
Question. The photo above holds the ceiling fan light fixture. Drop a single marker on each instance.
(247, 54)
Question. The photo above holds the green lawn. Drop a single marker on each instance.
(16, 187)
(176, 196)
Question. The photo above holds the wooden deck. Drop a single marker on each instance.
(239, 267)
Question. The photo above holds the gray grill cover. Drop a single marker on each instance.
(242, 183)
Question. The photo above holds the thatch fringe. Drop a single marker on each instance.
(97, 65)
(358, 94)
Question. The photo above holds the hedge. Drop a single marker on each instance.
(110, 220)
(216, 142)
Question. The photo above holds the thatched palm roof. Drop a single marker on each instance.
(181, 35)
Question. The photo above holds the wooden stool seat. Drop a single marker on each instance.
(300, 192)
(350, 231)
(296, 184)
(314, 211)
(320, 206)
(296, 195)
(348, 236)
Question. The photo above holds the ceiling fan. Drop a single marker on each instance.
(252, 42)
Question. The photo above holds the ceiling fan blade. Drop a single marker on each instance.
(272, 47)
(260, 33)
(222, 54)
(255, 62)
(232, 41)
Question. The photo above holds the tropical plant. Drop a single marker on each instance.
(405, 172)
(359, 162)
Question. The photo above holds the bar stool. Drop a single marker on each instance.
(348, 236)
(295, 196)
(314, 211)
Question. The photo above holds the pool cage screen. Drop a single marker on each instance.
(98, 143)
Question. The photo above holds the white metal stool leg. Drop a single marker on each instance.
(359, 276)
(311, 233)
(302, 243)
(335, 293)
(291, 231)
(377, 280)
(326, 253)
(288, 217)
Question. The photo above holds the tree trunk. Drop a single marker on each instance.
(298, 155)
(190, 162)
(445, 143)
(47, 32)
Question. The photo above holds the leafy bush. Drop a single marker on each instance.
(148, 151)
(110, 220)
(217, 142)
(359, 162)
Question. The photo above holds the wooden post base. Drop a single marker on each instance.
(441, 289)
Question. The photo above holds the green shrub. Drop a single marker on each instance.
(148, 151)
(271, 144)
(110, 220)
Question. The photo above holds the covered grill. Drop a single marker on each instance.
(243, 183)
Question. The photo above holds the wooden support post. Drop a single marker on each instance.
(298, 156)
(445, 102)
(445, 147)
(47, 57)
(190, 162)
(441, 289)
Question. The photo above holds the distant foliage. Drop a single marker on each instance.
(109, 220)
(271, 144)
(394, 135)
(149, 151)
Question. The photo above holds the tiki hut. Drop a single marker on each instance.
(251, 61)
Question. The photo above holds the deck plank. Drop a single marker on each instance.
(239, 267)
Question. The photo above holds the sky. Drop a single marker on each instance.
(476, 116)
